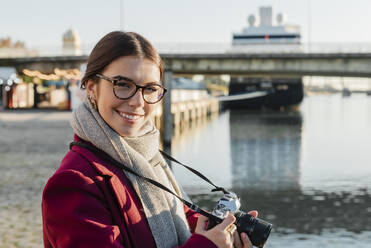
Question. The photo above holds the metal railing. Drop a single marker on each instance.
(201, 48)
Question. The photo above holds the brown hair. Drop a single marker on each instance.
(117, 44)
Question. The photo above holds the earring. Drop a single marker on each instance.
(93, 102)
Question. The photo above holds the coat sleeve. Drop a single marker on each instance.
(192, 218)
(196, 240)
(75, 215)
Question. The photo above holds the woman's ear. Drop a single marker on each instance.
(92, 93)
(91, 88)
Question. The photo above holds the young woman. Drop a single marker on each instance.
(89, 202)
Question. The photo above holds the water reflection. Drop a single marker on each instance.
(187, 131)
(294, 211)
(306, 172)
(265, 149)
(204, 145)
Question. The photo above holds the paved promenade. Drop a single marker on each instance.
(32, 143)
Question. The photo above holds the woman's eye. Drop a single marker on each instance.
(124, 84)
(152, 88)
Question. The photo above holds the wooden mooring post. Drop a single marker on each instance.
(175, 113)
(167, 115)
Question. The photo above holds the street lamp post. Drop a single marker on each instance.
(309, 25)
(121, 15)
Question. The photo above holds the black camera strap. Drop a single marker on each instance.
(195, 172)
(192, 206)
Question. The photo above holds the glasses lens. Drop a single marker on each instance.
(124, 89)
(153, 93)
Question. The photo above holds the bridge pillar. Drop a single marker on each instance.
(167, 115)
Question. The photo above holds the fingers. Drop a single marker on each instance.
(246, 241)
(237, 243)
(230, 219)
(254, 213)
(218, 234)
(201, 224)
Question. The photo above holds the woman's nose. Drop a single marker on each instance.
(137, 99)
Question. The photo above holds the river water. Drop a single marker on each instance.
(307, 171)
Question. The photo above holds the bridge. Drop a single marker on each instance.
(296, 64)
(351, 64)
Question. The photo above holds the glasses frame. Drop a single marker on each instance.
(115, 81)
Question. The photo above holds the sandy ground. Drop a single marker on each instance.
(32, 143)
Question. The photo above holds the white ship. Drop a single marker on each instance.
(263, 34)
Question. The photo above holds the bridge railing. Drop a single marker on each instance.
(199, 48)
(212, 48)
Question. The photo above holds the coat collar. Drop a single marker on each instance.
(103, 167)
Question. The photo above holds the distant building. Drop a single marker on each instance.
(7, 43)
(9, 49)
(71, 43)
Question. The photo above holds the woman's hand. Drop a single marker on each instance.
(246, 243)
(218, 234)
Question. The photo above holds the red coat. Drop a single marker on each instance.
(89, 202)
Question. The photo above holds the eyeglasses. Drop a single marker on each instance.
(124, 88)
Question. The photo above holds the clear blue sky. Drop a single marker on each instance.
(42, 22)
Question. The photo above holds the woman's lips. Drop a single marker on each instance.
(131, 117)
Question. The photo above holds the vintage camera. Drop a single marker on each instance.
(258, 230)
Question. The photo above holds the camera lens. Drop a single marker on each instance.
(258, 230)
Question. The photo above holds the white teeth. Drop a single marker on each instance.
(130, 117)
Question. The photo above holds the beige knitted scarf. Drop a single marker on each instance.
(164, 212)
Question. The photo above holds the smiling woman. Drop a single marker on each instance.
(127, 117)
(89, 202)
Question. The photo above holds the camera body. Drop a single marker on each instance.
(229, 202)
(258, 230)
